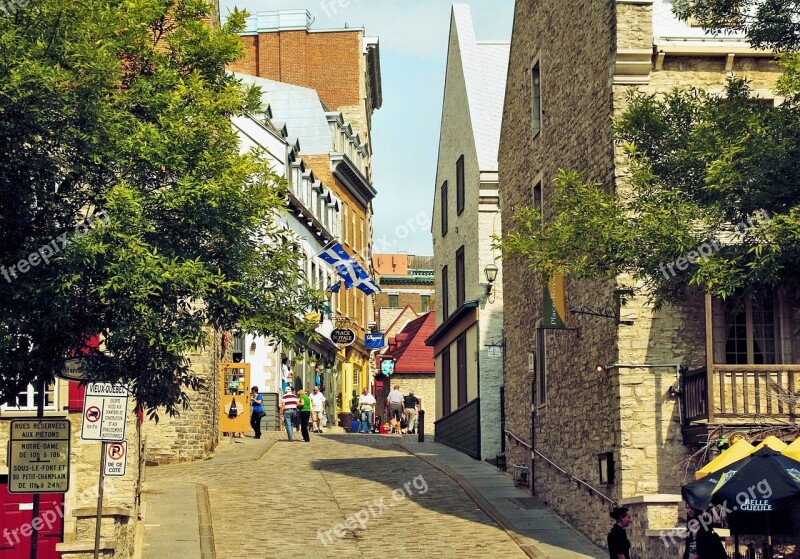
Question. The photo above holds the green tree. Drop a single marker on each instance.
(770, 24)
(712, 201)
(119, 113)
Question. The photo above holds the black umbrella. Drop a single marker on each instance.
(758, 484)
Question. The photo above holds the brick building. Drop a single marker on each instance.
(466, 213)
(622, 430)
(405, 280)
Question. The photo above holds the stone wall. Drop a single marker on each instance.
(424, 387)
(193, 434)
(580, 418)
(626, 410)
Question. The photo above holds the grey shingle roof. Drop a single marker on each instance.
(301, 109)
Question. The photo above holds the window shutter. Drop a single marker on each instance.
(76, 393)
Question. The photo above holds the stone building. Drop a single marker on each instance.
(611, 405)
(412, 364)
(466, 213)
(71, 528)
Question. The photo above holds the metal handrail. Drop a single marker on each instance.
(562, 470)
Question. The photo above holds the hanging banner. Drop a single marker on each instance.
(554, 314)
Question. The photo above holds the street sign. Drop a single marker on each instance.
(374, 340)
(116, 458)
(105, 411)
(343, 336)
(38, 456)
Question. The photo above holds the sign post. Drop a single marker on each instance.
(105, 411)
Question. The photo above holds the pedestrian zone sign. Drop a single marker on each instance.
(38, 456)
(116, 458)
(105, 411)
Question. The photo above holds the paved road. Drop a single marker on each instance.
(339, 496)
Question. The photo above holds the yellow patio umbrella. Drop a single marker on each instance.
(774, 443)
(736, 451)
(793, 450)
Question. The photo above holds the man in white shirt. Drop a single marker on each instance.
(395, 399)
(317, 407)
(366, 405)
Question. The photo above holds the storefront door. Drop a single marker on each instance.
(16, 515)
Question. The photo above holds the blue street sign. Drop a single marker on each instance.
(374, 340)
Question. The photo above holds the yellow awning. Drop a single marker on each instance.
(736, 451)
(793, 450)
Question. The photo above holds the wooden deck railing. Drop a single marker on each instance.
(755, 390)
(743, 391)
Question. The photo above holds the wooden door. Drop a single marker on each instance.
(16, 514)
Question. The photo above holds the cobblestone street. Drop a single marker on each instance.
(337, 496)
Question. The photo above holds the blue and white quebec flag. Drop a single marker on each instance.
(350, 270)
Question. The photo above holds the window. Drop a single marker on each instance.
(26, 400)
(393, 300)
(345, 217)
(446, 403)
(536, 99)
(444, 208)
(460, 287)
(425, 303)
(540, 369)
(353, 239)
(537, 195)
(750, 327)
(460, 185)
(461, 364)
(445, 289)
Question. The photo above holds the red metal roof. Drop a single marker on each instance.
(411, 354)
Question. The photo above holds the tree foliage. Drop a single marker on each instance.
(712, 200)
(769, 24)
(119, 112)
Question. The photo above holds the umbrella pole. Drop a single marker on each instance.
(769, 538)
(736, 542)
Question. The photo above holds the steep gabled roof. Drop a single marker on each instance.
(411, 354)
(485, 66)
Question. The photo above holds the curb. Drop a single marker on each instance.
(207, 547)
(524, 543)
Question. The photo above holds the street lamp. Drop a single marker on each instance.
(491, 274)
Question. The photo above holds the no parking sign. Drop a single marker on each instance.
(116, 458)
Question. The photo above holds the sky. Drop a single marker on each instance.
(405, 130)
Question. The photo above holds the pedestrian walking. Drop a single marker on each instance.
(411, 406)
(258, 411)
(289, 411)
(366, 404)
(395, 400)
(317, 409)
(618, 544)
(701, 540)
(304, 406)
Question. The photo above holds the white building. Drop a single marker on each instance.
(466, 213)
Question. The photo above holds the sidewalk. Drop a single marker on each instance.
(538, 532)
(178, 518)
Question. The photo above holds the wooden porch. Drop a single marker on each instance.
(738, 396)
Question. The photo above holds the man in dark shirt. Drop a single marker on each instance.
(411, 405)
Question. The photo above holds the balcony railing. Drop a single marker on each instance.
(743, 391)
